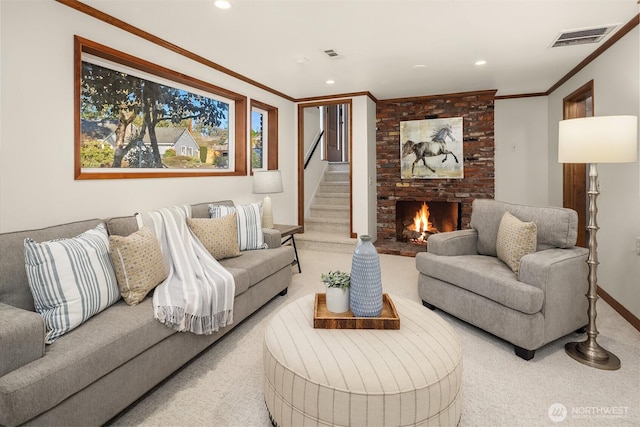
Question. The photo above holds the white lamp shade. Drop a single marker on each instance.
(606, 139)
(267, 182)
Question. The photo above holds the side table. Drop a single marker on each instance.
(287, 232)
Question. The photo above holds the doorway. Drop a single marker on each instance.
(574, 175)
(324, 133)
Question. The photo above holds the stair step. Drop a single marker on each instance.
(334, 200)
(328, 225)
(339, 166)
(334, 187)
(326, 242)
(333, 176)
(329, 211)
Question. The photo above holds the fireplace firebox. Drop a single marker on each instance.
(417, 220)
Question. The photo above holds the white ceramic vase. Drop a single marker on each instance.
(337, 299)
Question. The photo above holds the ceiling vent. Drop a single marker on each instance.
(332, 54)
(582, 36)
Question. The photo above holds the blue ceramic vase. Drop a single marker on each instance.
(366, 280)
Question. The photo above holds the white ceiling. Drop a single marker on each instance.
(381, 41)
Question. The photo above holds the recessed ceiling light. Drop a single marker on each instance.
(330, 82)
(222, 4)
(419, 66)
(481, 62)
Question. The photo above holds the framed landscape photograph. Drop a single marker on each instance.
(135, 119)
(431, 148)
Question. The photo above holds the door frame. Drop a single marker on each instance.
(349, 122)
(574, 175)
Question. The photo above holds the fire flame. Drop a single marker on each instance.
(421, 220)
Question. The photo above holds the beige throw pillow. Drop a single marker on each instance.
(138, 263)
(515, 239)
(218, 235)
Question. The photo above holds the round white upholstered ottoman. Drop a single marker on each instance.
(362, 377)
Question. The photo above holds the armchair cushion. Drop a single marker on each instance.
(556, 227)
(458, 242)
(515, 239)
(483, 275)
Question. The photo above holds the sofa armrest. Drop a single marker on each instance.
(452, 243)
(272, 237)
(21, 337)
(562, 274)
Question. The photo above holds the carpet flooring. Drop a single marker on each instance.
(223, 386)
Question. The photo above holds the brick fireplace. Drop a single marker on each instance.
(476, 109)
(417, 220)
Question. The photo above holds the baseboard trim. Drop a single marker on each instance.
(626, 314)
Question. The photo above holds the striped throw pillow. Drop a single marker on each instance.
(249, 223)
(70, 279)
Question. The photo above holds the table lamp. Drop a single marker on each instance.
(267, 182)
(606, 139)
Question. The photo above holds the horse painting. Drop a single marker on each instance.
(436, 147)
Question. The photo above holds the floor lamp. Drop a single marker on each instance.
(607, 139)
(267, 182)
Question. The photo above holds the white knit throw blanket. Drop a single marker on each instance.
(197, 295)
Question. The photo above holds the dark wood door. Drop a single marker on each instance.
(574, 187)
(332, 133)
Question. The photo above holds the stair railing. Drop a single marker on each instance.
(313, 148)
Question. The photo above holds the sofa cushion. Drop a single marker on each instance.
(260, 264)
(14, 286)
(241, 279)
(249, 224)
(483, 275)
(138, 264)
(21, 338)
(125, 225)
(515, 239)
(77, 359)
(218, 235)
(201, 210)
(71, 279)
(122, 225)
(556, 227)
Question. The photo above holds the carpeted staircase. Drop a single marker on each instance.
(327, 228)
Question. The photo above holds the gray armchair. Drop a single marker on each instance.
(543, 300)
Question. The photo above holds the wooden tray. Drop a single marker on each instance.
(325, 319)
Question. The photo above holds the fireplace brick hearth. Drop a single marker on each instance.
(477, 111)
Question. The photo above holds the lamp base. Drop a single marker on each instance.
(591, 354)
(267, 213)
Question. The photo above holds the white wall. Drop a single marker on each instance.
(521, 151)
(363, 166)
(373, 184)
(37, 187)
(314, 173)
(531, 174)
(616, 76)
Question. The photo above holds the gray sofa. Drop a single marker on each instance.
(461, 274)
(92, 373)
